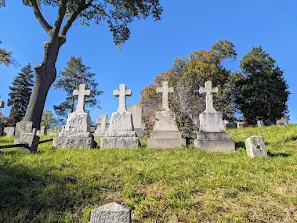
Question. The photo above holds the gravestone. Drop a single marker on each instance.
(55, 130)
(101, 126)
(77, 131)
(111, 213)
(212, 135)
(239, 125)
(255, 146)
(8, 131)
(43, 130)
(165, 133)
(23, 127)
(260, 123)
(226, 123)
(31, 140)
(136, 111)
(121, 132)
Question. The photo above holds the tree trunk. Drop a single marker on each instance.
(45, 76)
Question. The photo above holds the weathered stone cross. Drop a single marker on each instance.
(208, 90)
(103, 121)
(122, 93)
(82, 93)
(165, 90)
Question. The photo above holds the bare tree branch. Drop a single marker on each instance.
(82, 6)
(47, 27)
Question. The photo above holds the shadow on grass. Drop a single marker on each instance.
(270, 154)
(294, 138)
(240, 144)
(32, 194)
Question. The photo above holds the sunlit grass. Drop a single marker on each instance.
(184, 185)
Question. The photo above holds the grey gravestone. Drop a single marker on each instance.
(239, 125)
(101, 126)
(77, 131)
(8, 131)
(30, 139)
(260, 123)
(54, 130)
(43, 130)
(255, 146)
(121, 132)
(165, 133)
(23, 127)
(111, 213)
(136, 111)
(212, 135)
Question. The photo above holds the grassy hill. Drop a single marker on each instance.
(183, 185)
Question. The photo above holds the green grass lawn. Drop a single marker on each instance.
(183, 185)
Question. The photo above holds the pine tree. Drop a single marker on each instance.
(75, 73)
(261, 92)
(21, 90)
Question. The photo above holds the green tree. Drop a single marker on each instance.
(5, 55)
(48, 120)
(19, 96)
(261, 90)
(116, 14)
(75, 73)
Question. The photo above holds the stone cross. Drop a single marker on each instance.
(2, 103)
(165, 90)
(82, 93)
(103, 121)
(208, 90)
(122, 93)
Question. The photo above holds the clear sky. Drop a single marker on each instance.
(186, 26)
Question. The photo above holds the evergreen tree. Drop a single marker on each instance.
(21, 90)
(75, 73)
(261, 92)
(48, 120)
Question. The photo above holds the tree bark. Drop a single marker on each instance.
(45, 76)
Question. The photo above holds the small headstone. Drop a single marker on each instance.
(31, 140)
(101, 126)
(121, 132)
(239, 125)
(226, 123)
(255, 146)
(260, 123)
(43, 130)
(136, 111)
(54, 130)
(111, 213)
(165, 133)
(212, 135)
(8, 131)
(77, 131)
(23, 127)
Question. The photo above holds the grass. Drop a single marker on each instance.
(183, 185)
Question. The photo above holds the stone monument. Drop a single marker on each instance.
(101, 126)
(111, 213)
(121, 132)
(255, 146)
(136, 111)
(212, 135)
(77, 131)
(165, 133)
(260, 123)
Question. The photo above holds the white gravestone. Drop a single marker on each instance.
(165, 133)
(8, 131)
(77, 131)
(121, 132)
(101, 126)
(212, 135)
(260, 123)
(255, 146)
(111, 213)
(136, 111)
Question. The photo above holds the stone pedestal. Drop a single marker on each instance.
(165, 133)
(255, 146)
(121, 132)
(212, 135)
(76, 133)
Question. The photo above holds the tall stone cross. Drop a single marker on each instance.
(122, 93)
(208, 90)
(103, 122)
(82, 93)
(165, 90)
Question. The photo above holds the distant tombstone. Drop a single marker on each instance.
(121, 132)
(165, 133)
(136, 111)
(31, 140)
(8, 131)
(239, 125)
(226, 123)
(111, 213)
(255, 146)
(101, 126)
(77, 131)
(43, 130)
(260, 123)
(212, 135)
(55, 130)
(23, 127)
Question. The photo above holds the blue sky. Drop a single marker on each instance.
(186, 26)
